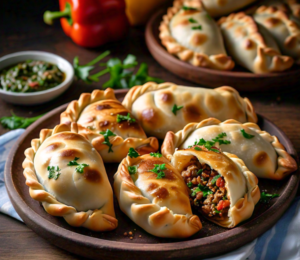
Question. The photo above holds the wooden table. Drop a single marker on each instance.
(22, 29)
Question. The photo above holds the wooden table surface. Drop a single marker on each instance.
(22, 29)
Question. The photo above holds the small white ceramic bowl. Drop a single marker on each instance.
(40, 96)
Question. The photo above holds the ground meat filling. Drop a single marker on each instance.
(208, 192)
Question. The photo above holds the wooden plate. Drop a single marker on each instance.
(239, 78)
(211, 240)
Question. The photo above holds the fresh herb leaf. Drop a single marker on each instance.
(199, 172)
(176, 108)
(209, 144)
(74, 162)
(192, 20)
(199, 27)
(121, 118)
(246, 135)
(205, 190)
(158, 169)
(106, 135)
(132, 153)
(197, 148)
(217, 211)
(266, 197)
(190, 146)
(158, 155)
(213, 181)
(225, 198)
(80, 167)
(214, 150)
(190, 184)
(52, 170)
(15, 122)
(188, 8)
(132, 169)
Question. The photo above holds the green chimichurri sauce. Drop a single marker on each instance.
(31, 76)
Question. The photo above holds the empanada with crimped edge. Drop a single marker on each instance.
(193, 36)
(284, 30)
(159, 206)
(232, 199)
(83, 199)
(97, 112)
(263, 154)
(152, 105)
(251, 45)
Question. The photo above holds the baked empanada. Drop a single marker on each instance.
(168, 107)
(251, 45)
(285, 31)
(188, 32)
(262, 153)
(222, 189)
(152, 194)
(108, 125)
(224, 7)
(67, 175)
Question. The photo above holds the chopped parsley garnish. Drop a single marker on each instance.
(106, 135)
(209, 144)
(158, 155)
(265, 197)
(205, 190)
(200, 171)
(225, 198)
(190, 184)
(127, 118)
(132, 169)
(80, 166)
(197, 148)
(158, 169)
(213, 181)
(53, 172)
(199, 27)
(217, 211)
(246, 135)
(176, 108)
(133, 153)
(192, 20)
(188, 8)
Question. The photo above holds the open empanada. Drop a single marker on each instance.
(168, 107)
(67, 175)
(188, 32)
(108, 125)
(157, 202)
(285, 31)
(222, 188)
(263, 154)
(251, 45)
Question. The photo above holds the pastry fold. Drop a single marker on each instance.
(251, 45)
(159, 206)
(83, 197)
(98, 112)
(263, 154)
(223, 190)
(188, 32)
(152, 105)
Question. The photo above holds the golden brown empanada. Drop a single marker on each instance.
(262, 153)
(251, 45)
(168, 107)
(67, 175)
(99, 113)
(188, 32)
(222, 188)
(157, 202)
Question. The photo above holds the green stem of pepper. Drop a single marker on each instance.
(66, 13)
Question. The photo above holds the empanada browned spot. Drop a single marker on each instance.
(221, 187)
(283, 29)
(109, 126)
(262, 153)
(67, 175)
(218, 8)
(151, 192)
(168, 107)
(188, 32)
(251, 45)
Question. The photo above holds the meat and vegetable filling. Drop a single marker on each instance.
(208, 192)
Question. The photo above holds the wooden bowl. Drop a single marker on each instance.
(239, 78)
(211, 240)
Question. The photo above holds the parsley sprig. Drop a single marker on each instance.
(198, 27)
(213, 181)
(159, 170)
(127, 118)
(132, 170)
(132, 153)
(209, 144)
(246, 135)
(266, 197)
(175, 108)
(188, 8)
(158, 155)
(192, 20)
(106, 135)
(54, 172)
(205, 190)
(15, 122)
(80, 166)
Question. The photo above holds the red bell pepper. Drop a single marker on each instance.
(91, 23)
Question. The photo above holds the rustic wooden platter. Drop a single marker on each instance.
(239, 78)
(210, 241)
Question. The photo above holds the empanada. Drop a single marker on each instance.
(222, 188)
(251, 45)
(224, 7)
(168, 107)
(188, 32)
(108, 125)
(67, 175)
(285, 31)
(157, 202)
(262, 153)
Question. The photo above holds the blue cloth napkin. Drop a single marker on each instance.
(281, 242)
